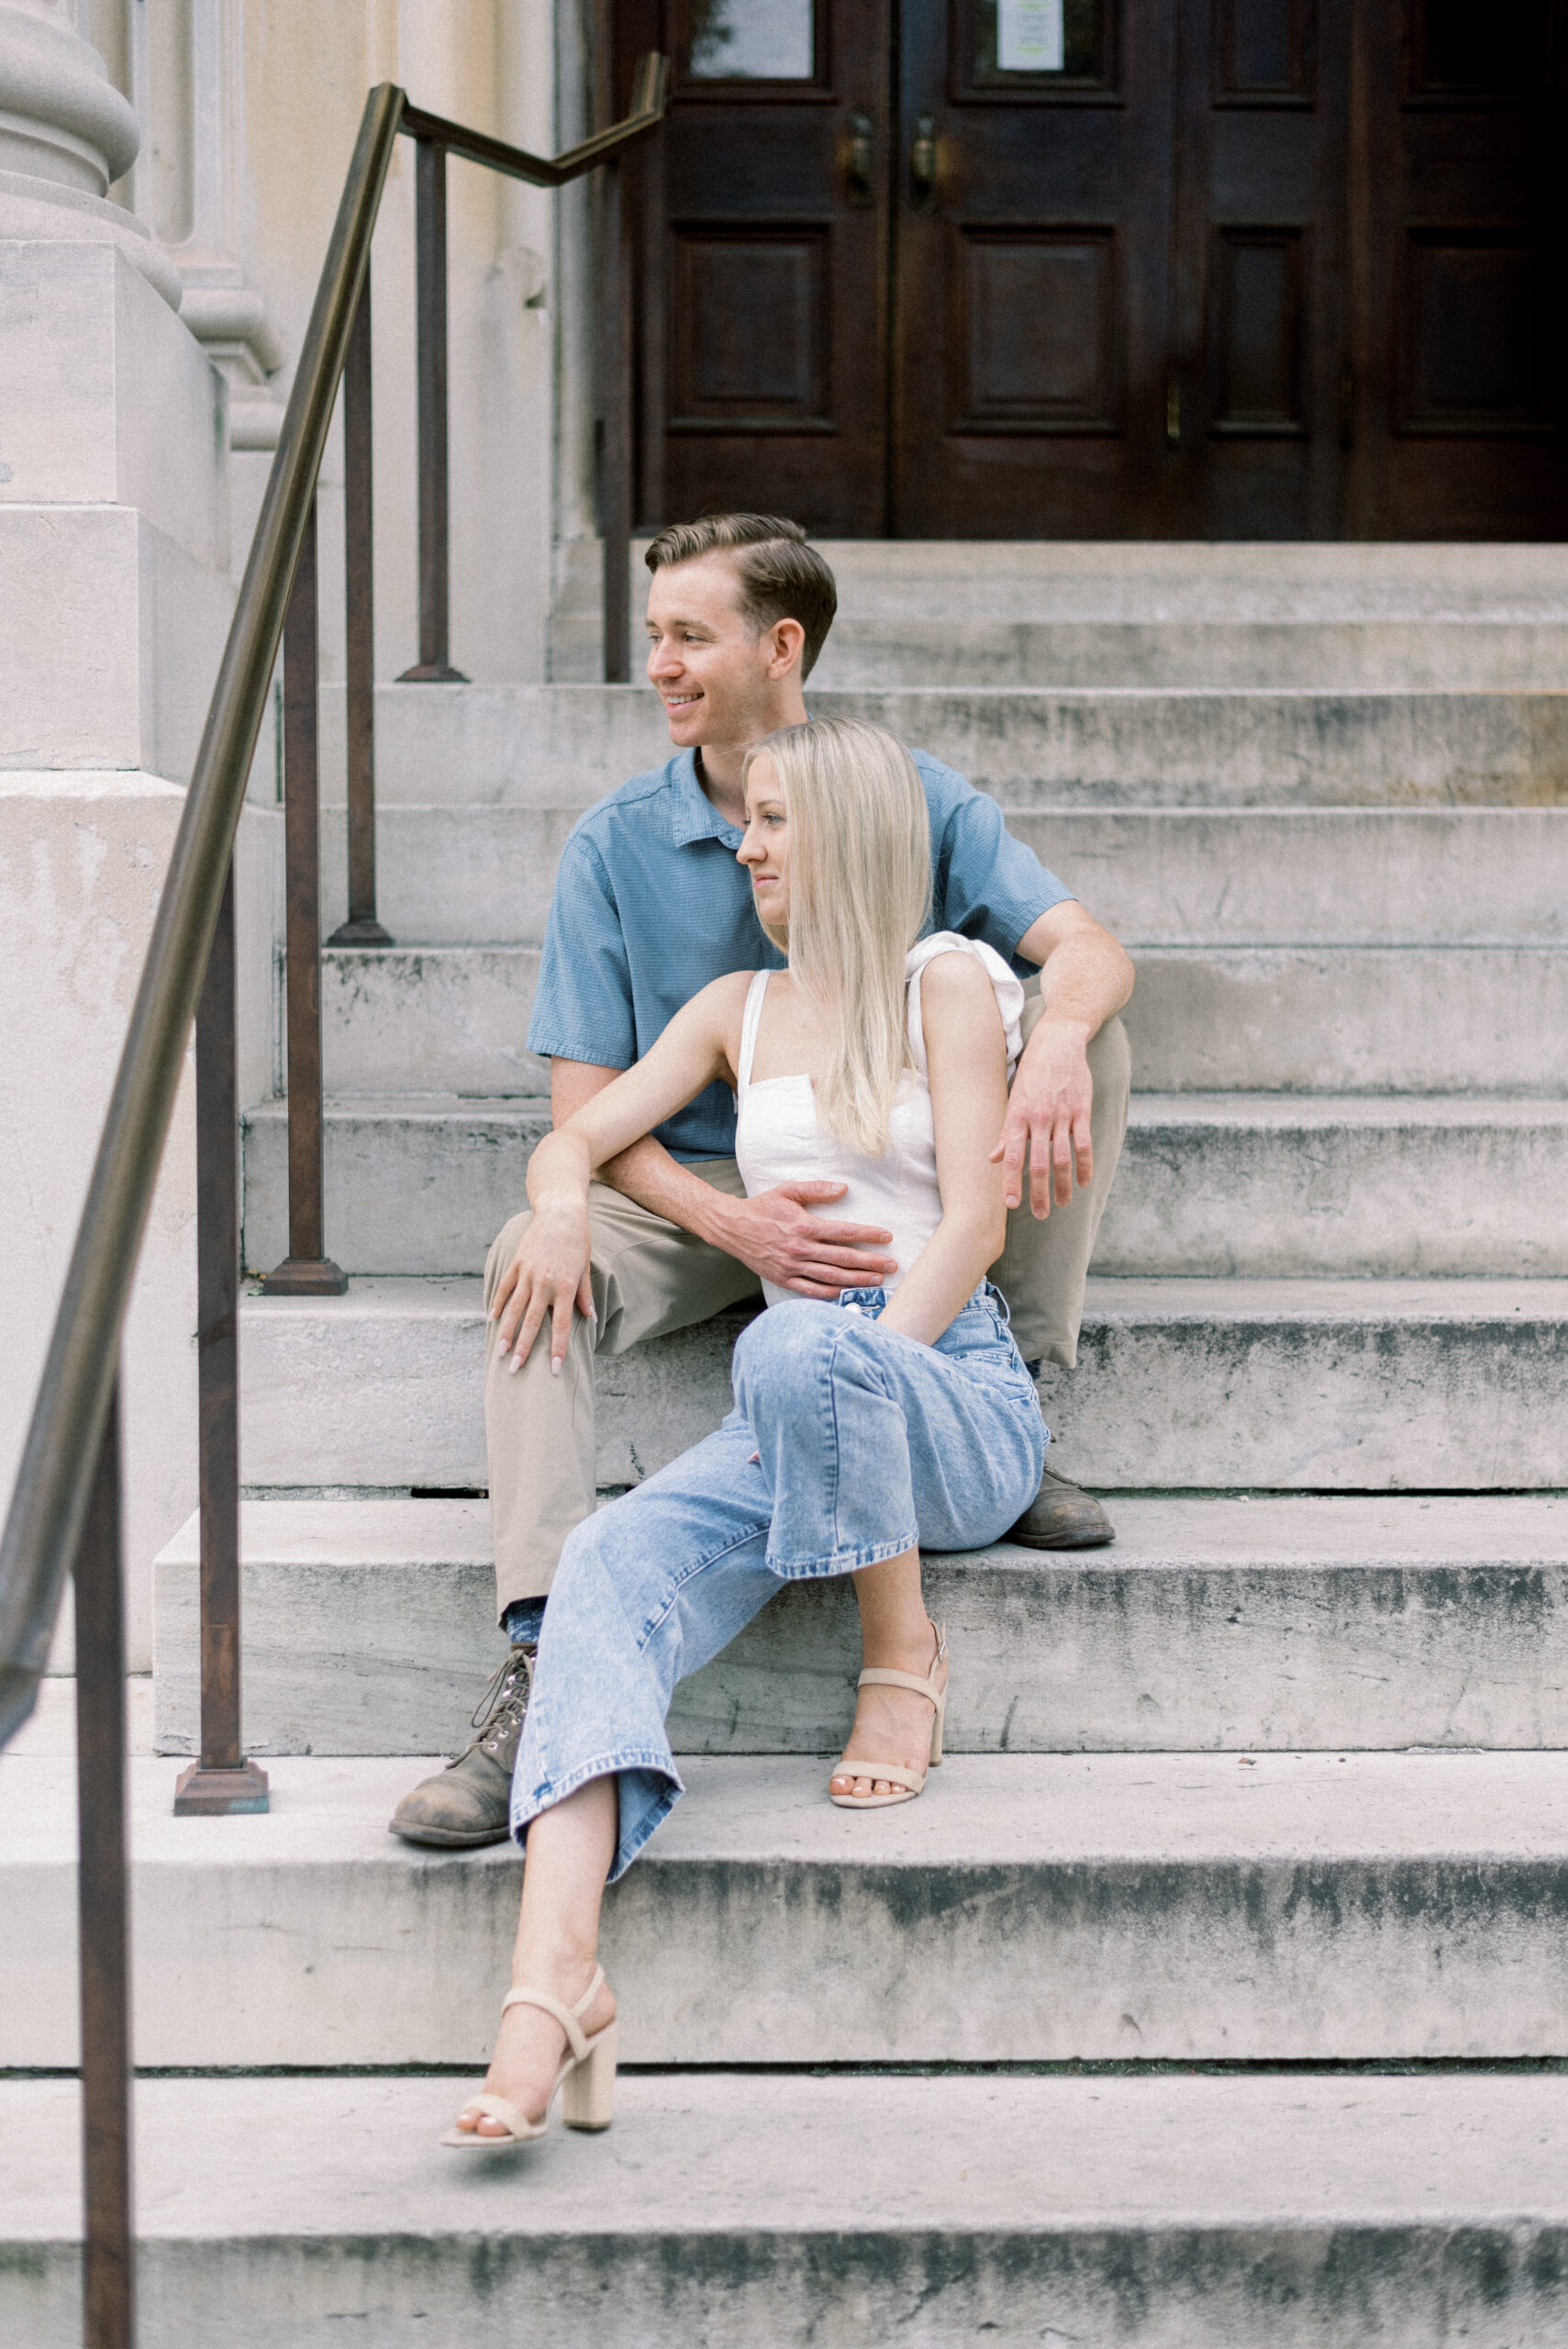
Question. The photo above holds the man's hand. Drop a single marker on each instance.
(1048, 1115)
(546, 1277)
(811, 1255)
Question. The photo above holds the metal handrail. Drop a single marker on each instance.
(65, 1513)
(51, 1499)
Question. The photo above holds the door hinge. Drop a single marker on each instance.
(1174, 413)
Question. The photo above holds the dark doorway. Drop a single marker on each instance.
(1103, 268)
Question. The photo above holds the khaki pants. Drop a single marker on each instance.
(650, 1278)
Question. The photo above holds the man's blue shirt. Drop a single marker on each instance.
(650, 906)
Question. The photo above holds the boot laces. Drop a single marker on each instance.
(505, 1700)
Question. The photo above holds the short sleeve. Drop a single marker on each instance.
(1009, 990)
(986, 885)
(583, 1004)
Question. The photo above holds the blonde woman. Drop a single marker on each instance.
(899, 1415)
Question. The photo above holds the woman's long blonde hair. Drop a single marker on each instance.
(859, 890)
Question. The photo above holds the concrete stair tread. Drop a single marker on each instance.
(1182, 1385)
(474, 872)
(1499, 739)
(1214, 1184)
(1169, 1533)
(731, 2209)
(981, 1812)
(1221, 579)
(1247, 1111)
(1320, 1112)
(1298, 1017)
(1230, 1624)
(522, 1110)
(230, 2160)
(1164, 1298)
(1027, 1909)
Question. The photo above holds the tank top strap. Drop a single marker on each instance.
(750, 1022)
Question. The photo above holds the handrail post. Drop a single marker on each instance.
(362, 928)
(615, 405)
(222, 1781)
(433, 666)
(103, 1904)
(307, 1270)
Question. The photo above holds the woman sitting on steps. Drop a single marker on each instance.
(901, 1414)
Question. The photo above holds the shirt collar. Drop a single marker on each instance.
(695, 817)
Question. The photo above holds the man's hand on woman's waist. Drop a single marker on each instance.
(779, 1237)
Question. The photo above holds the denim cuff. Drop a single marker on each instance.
(523, 1621)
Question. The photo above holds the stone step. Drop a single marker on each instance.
(1269, 1185)
(881, 579)
(1262, 1625)
(1182, 1385)
(730, 2210)
(1252, 1018)
(1352, 656)
(1028, 1908)
(461, 875)
(1255, 1185)
(1142, 614)
(552, 747)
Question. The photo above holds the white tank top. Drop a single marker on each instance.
(778, 1139)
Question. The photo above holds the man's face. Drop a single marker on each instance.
(710, 671)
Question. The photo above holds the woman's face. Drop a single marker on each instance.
(765, 849)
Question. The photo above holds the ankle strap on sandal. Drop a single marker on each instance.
(879, 1676)
(569, 2018)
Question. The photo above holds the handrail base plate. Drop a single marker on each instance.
(360, 933)
(217, 1794)
(306, 1276)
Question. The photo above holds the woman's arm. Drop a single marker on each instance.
(549, 1273)
(966, 1059)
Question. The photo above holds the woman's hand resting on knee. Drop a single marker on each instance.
(546, 1278)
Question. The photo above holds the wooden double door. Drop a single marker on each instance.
(1103, 268)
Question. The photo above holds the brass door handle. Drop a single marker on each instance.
(923, 160)
(862, 192)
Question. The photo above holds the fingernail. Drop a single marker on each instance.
(515, 1364)
(555, 1365)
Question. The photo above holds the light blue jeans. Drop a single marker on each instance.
(847, 1445)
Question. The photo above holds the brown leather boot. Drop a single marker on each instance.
(1061, 1517)
(468, 1803)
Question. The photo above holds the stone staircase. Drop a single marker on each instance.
(1274, 1792)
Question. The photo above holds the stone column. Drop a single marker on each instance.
(114, 583)
(66, 134)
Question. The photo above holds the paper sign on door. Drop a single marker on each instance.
(1028, 36)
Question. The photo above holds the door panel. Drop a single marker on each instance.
(762, 261)
(1457, 345)
(1258, 267)
(1031, 231)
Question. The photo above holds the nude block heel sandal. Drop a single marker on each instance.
(909, 1783)
(587, 2075)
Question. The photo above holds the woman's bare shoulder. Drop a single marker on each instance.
(956, 983)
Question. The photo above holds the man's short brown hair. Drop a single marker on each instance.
(782, 578)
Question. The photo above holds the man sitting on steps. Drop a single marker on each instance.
(649, 905)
